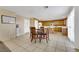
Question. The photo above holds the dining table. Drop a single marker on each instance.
(40, 34)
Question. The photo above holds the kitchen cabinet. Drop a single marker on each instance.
(64, 31)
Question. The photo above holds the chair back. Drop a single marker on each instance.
(42, 29)
(32, 30)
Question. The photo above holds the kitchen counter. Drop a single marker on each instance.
(55, 26)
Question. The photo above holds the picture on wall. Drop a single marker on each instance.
(8, 19)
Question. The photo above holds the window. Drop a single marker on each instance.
(36, 24)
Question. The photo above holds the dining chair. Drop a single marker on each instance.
(42, 29)
(33, 34)
(44, 34)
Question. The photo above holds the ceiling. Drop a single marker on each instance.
(41, 12)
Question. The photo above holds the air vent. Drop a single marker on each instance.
(46, 6)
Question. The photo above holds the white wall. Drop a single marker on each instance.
(20, 22)
(70, 24)
(26, 25)
(7, 31)
(77, 27)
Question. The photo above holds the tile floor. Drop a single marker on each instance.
(56, 43)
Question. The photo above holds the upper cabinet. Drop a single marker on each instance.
(59, 23)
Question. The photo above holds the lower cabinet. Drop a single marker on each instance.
(64, 31)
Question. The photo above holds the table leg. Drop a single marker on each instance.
(40, 37)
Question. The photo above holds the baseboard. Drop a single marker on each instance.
(71, 41)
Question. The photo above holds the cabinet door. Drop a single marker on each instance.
(12, 31)
(4, 32)
(7, 31)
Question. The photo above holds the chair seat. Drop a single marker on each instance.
(39, 33)
(35, 34)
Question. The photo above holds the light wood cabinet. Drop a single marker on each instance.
(58, 29)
